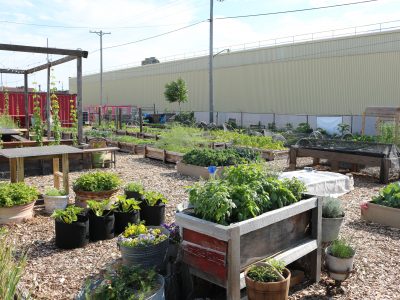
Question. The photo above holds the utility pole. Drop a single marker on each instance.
(211, 56)
(100, 34)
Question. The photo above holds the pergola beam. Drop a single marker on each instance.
(51, 64)
(12, 71)
(44, 50)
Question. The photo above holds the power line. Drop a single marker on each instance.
(294, 10)
(151, 37)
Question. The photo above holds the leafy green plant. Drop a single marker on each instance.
(267, 272)
(332, 208)
(11, 268)
(132, 140)
(154, 198)
(389, 196)
(55, 192)
(296, 186)
(67, 215)
(185, 118)
(37, 118)
(55, 109)
(126, 205)
(226, 157)
(124, 282)
(176, 91)
(98, 207)
(138, 235)
(134, 187)
(304, 128)
(73, 117)
(97, 182)
(12, 194)
(341, 249)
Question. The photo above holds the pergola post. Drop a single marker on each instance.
(48, 104)
(26, 101)
(79, 97)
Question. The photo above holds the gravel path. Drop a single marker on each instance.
(58, 274)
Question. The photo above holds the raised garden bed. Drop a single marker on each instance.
(164, 155)
(219, 253)
(196, 171)
(380, 214)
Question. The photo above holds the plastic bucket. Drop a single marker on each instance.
(51, 203)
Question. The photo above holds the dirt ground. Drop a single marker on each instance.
(52, 273)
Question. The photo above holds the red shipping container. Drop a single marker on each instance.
(17, 106)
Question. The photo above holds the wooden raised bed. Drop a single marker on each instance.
(164, 155)
(196, 171)
(384, 215)
(269, 155)
(220, 254)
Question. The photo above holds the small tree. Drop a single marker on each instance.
(176, 91)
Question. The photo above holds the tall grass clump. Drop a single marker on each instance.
(6, 121)
(11, 269)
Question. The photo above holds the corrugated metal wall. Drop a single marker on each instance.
(334, 76)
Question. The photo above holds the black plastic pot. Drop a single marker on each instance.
(74, 235)
(152, 215)
(134, 195)
(123, 218)
(101, 228)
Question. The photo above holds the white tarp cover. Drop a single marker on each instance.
(330, 124)
(321, 183)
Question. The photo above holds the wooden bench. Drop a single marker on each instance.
(19, 138)
(105, 149)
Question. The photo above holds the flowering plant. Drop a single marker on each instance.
(138, 235)
(174, 235)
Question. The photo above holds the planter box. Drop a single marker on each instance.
(220, 254)
(127, 147)
(274, 154)
(384, 215)
(164, 155)
(112, 143)
(120, 132)
(16, 214)
(196, 171)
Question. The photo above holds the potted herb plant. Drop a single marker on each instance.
(95, 186)
(145, 246)
(125, 211)
(267, 280)
(55, 199)
(16, 202)
(332, 219)
(101, 220)
(339, 259)
(125, 282)
(153, 208)
(134, 190)
(71, 227)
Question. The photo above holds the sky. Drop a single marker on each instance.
(67, 24)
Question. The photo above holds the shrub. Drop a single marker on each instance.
(185, 118)
(97, 182)
(67, 215)
(12, 194)
(55, 192)
(267, 273)
(389, 196)
(154, 198)
(134, 187)
(341, 249)
(332, 208)
(126, 205)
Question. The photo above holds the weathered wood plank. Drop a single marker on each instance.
(234, 255)
(204, 240)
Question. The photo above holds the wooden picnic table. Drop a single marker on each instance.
(16, 157)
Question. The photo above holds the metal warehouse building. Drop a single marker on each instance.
(296, 82)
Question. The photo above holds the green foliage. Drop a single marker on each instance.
(126, 205)
(98, 207)
(154, 198)
(296, 186)
(389, 196)
(227, 157)
(387, 133)
(134, 187)
(245, 191)
(11, 268)
(267, 273)
(341, 249)
(67, 215)
(55, 192)
(73, 117)
(55, 109)
(240, 139)
(37, 118)
(176, 91)
(12, 194)
(97, 182)
(304, 128)
(125, 282)
(332, 208)
(131, 140)
(343, 128)
(185, 118)
(138, 235)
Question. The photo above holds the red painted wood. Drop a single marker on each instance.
(204, 240)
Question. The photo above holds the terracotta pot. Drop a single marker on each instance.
(82, 196)
(16, 214)
(268, 290)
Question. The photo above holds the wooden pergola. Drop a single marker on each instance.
(69, 56)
